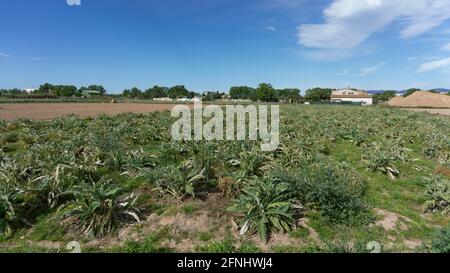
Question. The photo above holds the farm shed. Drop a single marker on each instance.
(91, 93)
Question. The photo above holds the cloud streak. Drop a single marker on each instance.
(348, 23)
(343, 72)
(446, 47)
(73, 2)
(370, 70)
(434, 65)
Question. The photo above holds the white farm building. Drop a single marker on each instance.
(352, 95)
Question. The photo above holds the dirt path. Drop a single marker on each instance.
(442, 112)
(45, 111)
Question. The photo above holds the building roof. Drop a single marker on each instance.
(351, 96)
(92, 91)
(349, 93)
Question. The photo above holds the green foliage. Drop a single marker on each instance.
(318, 94)
(385, 96)
(132, 93)
(47, 228)
(441, 243)
(224, 246)
(438, 194)
(156, 92)
(99, 208)
(212, 96)
(339, 196)
(249, 247)
(205, 236)
(189, 208)
(179, 91)
(228, 245)
(241, 92)
(265, 93)
(291, 94)
(45, 163)
(344, 246)
(411, 91)
(381, 156)
(265, 206)
(150, 244)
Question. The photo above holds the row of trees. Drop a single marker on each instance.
(178, 91)
(13, 91)
(385, 96)
(50, 90)
(265, 92)
(67, 90)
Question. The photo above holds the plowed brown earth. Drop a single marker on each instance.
(442, 112)
(46, 111)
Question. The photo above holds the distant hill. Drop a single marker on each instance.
(441, 90)
(402, 92)
(374, 92)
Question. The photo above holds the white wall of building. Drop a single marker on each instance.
(365, 101)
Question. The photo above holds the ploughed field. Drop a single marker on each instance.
(46, 111)
(344, 178)
(442, 112)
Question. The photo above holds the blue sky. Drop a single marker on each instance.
(215, 44)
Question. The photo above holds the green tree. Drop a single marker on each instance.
(211, 96)
(287, 94)
(318, 94)
(13, 91)
(156, 92)
(98, 88)
(385, 96)
(411, 91)
(265, 92)
(135, 92)
(57, 90)
(126, 93)
(241, 92)
(178, 91)
(45, 88)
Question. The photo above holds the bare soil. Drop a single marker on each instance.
(442, 112)
(47, 111)
(421, 99)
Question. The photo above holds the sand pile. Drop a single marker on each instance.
(421, 99)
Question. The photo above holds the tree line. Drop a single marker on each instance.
(265, 92)
(50, 90)
(178, 91)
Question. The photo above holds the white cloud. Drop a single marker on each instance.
(370, 70)
(343, 72)
(350, 22)
(446, 47)
(429, 66)
(73, 2)
(270, 28)
(37, 59)
(4, 55)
